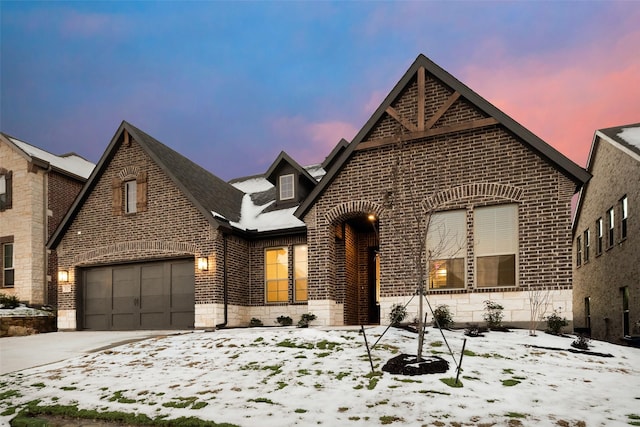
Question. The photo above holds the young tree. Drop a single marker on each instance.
(539, 299)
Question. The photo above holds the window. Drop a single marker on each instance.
(8, 273)
(286, 187)
(625, 310)
(300, 272)
(446, 248)
(130, 196)
(623, 215)
(587, 312)
(587, 244)
(496, 245)
(277, 274)
(579, 251)
(5, 189)
(599, 232)
(611, 217)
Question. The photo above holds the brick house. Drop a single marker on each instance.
(439, 186)
(606, 237)
(36, 190)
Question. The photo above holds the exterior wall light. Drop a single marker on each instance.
(203, 264)
(371, 217)
(63, 276)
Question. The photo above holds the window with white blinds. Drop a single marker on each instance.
(496, 245)
(446, 249)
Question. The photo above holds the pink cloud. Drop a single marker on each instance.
(564, 97)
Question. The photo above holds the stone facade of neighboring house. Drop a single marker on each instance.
(439, 186)
(606, 252)
(36, 190)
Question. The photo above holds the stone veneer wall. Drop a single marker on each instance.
(615, 174)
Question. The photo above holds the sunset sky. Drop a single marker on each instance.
(231, 84)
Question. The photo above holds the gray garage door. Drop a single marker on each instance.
(156, 295)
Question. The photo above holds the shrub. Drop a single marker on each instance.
(582, 342)
(442, 316)
(255, 322)
(285, 321)
(398, 314)
(493, 314)
(9, 301)
(555, 323)
(305, 320)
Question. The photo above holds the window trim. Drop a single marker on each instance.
(624, 214)
(578, 251)
(587, 245)
(599, 235)
(282, 185)
(7, 177)
(296, 278)
(267, 281)
(130, 196)
(611, 228)
(3, 246)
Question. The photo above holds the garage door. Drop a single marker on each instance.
(158, 295)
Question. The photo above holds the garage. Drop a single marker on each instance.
(153, 295)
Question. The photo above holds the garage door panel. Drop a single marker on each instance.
(158, 295)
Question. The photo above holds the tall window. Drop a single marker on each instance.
(587, 244)
(623, 220)
(5, 189)
(277, 274)
(130, 196)
(446, 248)
(611, 236)
(286, 187)
(587, 312)
(579, 251)
(599, 231)
(8, 273)
(300, 273)
(496, 245)
(625, 310)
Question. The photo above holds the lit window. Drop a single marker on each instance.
(496, 245)
(587, 244)
(599, 234)
(446, 249)
(130, 196)
(300, 272)
(624, 213)
(8, 275)
(277, 275)
(611, 217)
(286, 187)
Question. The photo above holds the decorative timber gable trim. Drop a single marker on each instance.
(462, 110)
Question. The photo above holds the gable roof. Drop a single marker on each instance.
(554, 157)
(69, 164)
(286, 159)
(218, 201)
(626, 138)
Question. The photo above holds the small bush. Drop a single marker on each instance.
(442, 316)
(555, 323)
(285, 321)
(9, 301)
(582, 343)
(306, 319)
(493, 314)
(254, 322)
(473, 330)
(398, 314)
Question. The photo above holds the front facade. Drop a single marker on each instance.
(36, 190)
(439, 188)
(606, 254)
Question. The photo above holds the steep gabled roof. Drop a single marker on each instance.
(626, 138)
(69, 164)
(554, 157)
(214, 198)
(284, 158)
(335, 154)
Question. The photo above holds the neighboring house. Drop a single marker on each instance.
(606, 298)
(155, 241)
(36, 190)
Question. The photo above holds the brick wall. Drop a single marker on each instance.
(461, 170)
(615, 174)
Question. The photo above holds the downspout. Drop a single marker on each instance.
(225, 289)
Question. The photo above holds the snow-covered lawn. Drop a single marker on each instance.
(288, 376)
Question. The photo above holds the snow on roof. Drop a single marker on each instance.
(631, 136)
(71, 163)
(254, 184)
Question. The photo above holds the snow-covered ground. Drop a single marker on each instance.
(289, 376)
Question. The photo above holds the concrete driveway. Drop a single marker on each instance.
(18, 353)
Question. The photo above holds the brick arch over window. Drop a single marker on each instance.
(473, 191)
(146, 246)
(129, 173)
(350, 209)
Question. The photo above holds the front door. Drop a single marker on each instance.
(374, 285)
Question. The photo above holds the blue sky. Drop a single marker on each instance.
(231, 84)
